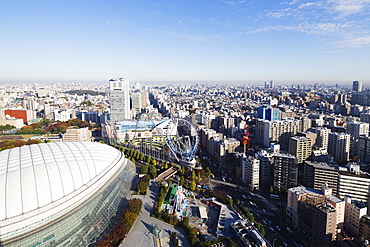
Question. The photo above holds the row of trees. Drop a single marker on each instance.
(45, 126)
(6, 127)
(127, 220)
(16, 143)
(143, 185)
(246, 213)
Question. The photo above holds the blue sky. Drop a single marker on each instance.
(185, 41)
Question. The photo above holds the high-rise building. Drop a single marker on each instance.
(318, 174)
(357, 129)
(271, 84)
(339, 146)
(285, 171)
(354, 210)
(322, 136)
(309, 134)
(300, 147)
(318, 213)
(266, 169)
(365, 227)
(324, 228)
(357, 86)
(136, 101)
(305, 123)
(363, 149)
(250, 171)
(353, 182)
(269, 113)
(119, 99)
(276, 131)
(361, 98)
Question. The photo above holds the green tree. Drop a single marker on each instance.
(154, 162)
(181, 183)
(229, 201)
(149, 160)
(262, 231)
(258, 226)
(192, 177)
(153, 171)
(251, 218)
(208, 171)
(144, 169)
(193, 185)
(142, 157)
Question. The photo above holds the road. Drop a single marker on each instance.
(265, 211)
(140, 234)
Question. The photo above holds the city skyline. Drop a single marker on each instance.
(194, 41)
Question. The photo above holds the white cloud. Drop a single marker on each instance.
(347, 7)
(305, 5)
(234, 2)
(280, 13)
(354, 42)
(293, 2)
(309, 28)
(339, 23)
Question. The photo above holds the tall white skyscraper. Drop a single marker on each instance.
(119, 99)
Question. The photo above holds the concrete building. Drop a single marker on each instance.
(305, 123)
(6, 119)
(250, 171)
(276, 131)
(269, 113)
(357, 86)
(363, 149)
(318, 174)
(309, 134)
(353, 214)
(136, 101)
(339, 146)
(357, 129)
(119, 99)
(285, 171)
(354, 183)
(365, 227)
(317, 212)
(300, 147)
(320, 155)
(77, 135)
(324, 229)
(266, 169)
(25, 114)
(322, 136)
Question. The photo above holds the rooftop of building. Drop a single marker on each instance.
(320, 165)
(326, 207)
(352, 174)
(281, 155)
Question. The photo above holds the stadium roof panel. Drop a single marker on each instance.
(39, 175)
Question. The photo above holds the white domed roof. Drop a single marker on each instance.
(41, 176)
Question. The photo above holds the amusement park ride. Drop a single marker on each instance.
(173, 140)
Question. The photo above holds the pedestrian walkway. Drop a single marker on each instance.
(141, 232)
